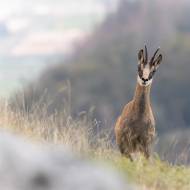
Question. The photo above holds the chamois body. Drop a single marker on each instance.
(135, 127)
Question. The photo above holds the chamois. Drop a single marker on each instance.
(135, 127)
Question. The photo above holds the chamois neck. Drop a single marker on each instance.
(142, 98)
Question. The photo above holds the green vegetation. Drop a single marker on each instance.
(78, 134)
(102, 72)
(156, 174)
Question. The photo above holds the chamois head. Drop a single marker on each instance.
(147, 69)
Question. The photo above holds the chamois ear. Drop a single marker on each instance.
(141, 56)
(158, 61)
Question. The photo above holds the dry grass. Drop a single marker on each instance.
(78, 134)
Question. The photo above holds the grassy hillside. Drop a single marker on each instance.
(78, 134)
(102, 71)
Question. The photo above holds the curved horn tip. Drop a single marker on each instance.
(158, 48)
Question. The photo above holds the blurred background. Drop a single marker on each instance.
(34, 34)
(82, 56)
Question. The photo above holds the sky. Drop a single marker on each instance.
(34, 33)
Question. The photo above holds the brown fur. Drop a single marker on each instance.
(135, 127)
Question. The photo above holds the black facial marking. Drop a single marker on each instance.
(150, 77)
(140, 72)
(151, 74)
(153, 64)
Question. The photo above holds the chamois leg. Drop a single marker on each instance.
(125, 152)
(146, 152)
(128, 155)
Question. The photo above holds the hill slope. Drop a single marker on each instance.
(102, 71)
(77, 135)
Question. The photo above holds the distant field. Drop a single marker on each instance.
(15, 71)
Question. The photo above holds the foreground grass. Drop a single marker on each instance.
(77, 134)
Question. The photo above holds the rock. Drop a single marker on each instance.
(24, 166)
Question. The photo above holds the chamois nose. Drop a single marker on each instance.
(144, 80)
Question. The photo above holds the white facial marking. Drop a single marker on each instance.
(146, 71)
(141, 82)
